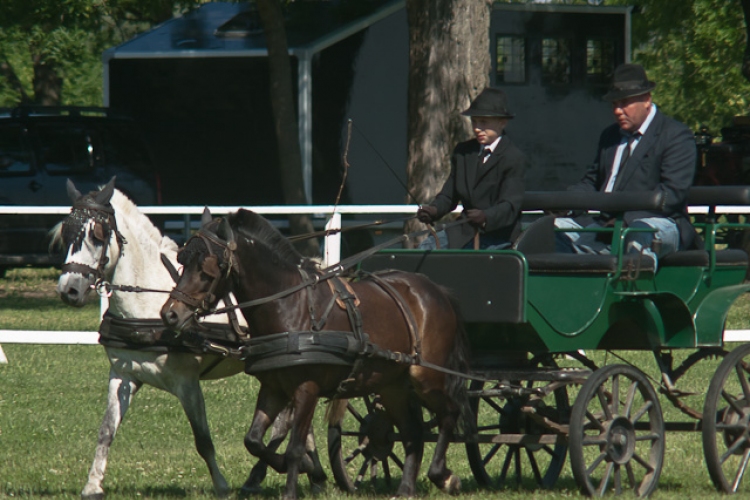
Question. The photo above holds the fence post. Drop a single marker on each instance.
(3, 359)
(332, 253)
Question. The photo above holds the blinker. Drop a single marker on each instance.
(210, 266)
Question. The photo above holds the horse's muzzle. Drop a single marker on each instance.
(176, 316)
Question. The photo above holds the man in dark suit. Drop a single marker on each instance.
(486, 176)
(644, 151)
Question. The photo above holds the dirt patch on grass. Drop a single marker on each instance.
(29, 283)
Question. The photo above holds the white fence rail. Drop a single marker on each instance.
(331, 250)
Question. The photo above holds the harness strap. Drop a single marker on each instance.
(83, 269)
(233, 321)
(341, 296)
(317, 325)
(405, 311)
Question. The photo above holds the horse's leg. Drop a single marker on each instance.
(191, 397)
(317, 476)
(267, 407)
(446, 411)
(279, 430)
(296, 457)
(439, 473)
(407, 417)
(120, 394)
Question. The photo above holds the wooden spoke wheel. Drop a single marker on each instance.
(513, 447)
(361, 448)
(617, 433)
(726, 422)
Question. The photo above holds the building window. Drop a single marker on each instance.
(555, 61)
(600, 61)
(511, 59)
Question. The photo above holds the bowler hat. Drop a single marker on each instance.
(630, 80)
(490, 102)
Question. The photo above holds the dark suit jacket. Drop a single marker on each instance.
(664, 160)
(496, 187)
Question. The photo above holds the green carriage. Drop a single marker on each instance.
(533, 316)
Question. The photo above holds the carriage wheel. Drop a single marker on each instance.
(726, 426)
(617, 433)
(360, 447)
(494, 463)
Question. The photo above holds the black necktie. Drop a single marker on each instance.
(486, 152)
(624, 158)
(626, 152)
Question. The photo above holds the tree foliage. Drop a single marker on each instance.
(694, 50)
(50, 50)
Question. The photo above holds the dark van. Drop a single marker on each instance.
(42, 147)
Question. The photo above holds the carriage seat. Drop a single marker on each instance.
(537, 243)
(566, 263)
(701, 258)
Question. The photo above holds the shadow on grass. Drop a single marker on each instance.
(18, 302)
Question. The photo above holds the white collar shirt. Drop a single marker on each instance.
(637, 135)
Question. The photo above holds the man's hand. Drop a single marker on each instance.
(427, 214)
(476, 217)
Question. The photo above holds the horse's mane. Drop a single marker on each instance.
(253, 225)
(126, 209)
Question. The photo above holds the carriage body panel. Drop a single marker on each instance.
(536, 300)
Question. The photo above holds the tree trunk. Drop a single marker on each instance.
(449, 65)
(47, 83)
(746, 57)
(285, 120)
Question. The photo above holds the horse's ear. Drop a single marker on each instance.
(170, 268)
(103, 196)
(206, 217)
(225, 232)
(73, 193)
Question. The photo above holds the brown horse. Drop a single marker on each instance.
(316, 336)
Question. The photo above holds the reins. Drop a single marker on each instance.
(330, 232)
(327, 273)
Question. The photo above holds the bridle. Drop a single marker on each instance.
(212, 266)
(105, 225)
(221, 269)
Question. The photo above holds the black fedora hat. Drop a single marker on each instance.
(490, 102)
(630, 80)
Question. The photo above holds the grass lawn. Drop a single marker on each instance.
(52, 399)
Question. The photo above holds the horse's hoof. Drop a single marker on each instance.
(249, 490)
(317, 487)
(452, 485)
(93, 495)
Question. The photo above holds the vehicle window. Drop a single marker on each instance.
(15, 155)
(124, 147)
(65, 150)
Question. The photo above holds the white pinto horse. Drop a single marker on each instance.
(107, 238)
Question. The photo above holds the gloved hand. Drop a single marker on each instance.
(427, 214)
(476, 217)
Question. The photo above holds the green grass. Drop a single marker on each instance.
(52, 399)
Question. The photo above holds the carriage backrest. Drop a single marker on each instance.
(489, 285)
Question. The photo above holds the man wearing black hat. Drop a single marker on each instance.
(486, 176)
(644, 151)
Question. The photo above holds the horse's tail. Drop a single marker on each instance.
(459, 361)
(336, 410)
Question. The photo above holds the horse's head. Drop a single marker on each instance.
(88, 235)
(207, 259)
